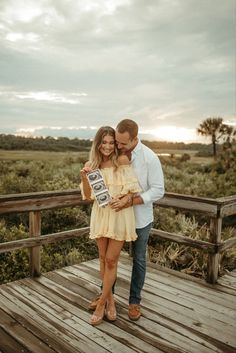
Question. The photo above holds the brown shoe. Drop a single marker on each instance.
(134, 311)
(93, 304)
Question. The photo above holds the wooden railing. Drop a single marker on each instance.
(34, 203)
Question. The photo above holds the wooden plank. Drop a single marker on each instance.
(59, 339)
(189, 300)
(40, 203)
(174, 277)
(156, 306)
(227, 244)
(42, 240)
(164, 325)
(163, 282)
(190, 288)
(228, 280)
(189, 203)
(206, 324)
(34, 324)
(120, 336)
(184, 276)
(107, 329)
(181, 239)
(192, 340)
(155, 291)
(204, 306)
(78, 319)
(8, 344)
(62, 328)
(228, 210)
(199, 288)
(38, 195)
(68, 198)
(166, 343)
(22, 335)
(178, 315)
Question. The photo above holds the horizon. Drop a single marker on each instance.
(142, 137)
(89, 133)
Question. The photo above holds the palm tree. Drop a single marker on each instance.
(215, 128)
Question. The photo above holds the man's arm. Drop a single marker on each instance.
(155, 192)
(156, 188)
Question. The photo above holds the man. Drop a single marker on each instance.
(148, 170)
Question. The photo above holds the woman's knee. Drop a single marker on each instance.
(102, 259)
(110, 262)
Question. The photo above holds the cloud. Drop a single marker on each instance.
(86, 132)
(72, 98)
(163, 63)
(28, 37)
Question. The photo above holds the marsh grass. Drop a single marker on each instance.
(187, 259)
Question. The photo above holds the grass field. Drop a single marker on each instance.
(56, 156)
(39, 155)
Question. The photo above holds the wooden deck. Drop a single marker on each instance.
(180, 313)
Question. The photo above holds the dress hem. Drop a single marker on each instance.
(111, 237)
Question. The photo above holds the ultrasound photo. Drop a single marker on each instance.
(103, 198)
(94, 176)
(98, 186)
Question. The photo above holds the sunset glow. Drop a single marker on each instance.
(176, 134)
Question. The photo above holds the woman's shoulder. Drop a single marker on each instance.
(123, 160)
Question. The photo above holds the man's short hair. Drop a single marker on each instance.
(128, 125)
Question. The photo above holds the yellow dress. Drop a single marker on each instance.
(104, 221)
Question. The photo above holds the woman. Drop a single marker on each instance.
(110, 228)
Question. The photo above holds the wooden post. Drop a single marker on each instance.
(214, 259)
(35, 231)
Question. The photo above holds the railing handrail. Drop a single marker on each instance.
(41, 194)
(43, 200)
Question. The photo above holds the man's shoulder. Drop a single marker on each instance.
(148, 152)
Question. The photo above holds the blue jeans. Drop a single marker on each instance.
(139, 247)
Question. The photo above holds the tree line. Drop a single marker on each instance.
(222, 137)
(60, 144)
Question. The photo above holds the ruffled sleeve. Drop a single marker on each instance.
(128, 180)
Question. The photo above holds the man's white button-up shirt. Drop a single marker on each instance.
(149, 172)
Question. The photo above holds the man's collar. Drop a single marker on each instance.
(137, 147)
(135, 150)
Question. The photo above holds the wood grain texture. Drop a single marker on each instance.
(179, 314)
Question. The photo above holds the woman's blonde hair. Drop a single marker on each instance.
(95, 156)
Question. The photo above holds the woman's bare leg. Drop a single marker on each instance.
(110, 272)
(111, 261)
(102, 244)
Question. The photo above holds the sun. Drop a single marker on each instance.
(175, 134)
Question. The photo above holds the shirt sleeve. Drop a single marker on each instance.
(156, 187)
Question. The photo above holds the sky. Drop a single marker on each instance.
(68, 67)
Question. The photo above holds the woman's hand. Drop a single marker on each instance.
(118, 204)
(86, 170)
(85, 182)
